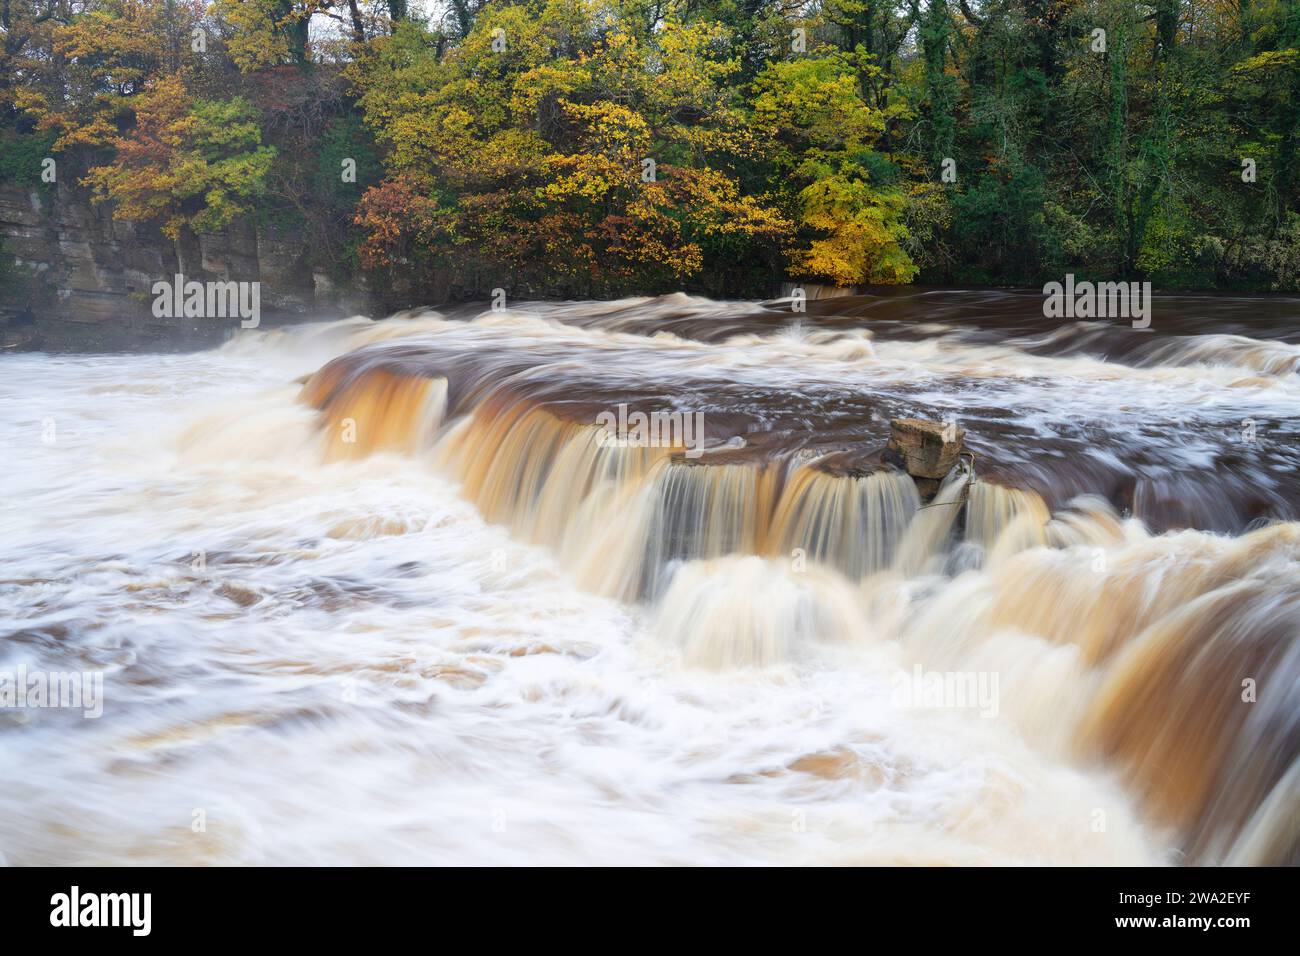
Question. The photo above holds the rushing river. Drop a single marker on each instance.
(378, 592)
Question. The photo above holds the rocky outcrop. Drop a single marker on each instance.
(924, 449)
(71, 276)
(818, 290)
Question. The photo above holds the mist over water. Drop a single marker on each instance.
(376, 592)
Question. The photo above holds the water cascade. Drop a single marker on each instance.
(772, 542)
(1116, 557)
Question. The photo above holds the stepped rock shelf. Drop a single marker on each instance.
(835, 418)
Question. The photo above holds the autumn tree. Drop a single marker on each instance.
(565, 152)
(100, 58)
(186, 163)
(849, 201)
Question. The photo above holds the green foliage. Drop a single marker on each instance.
(195, 163)
(21, 157)
(561, 150)
(344, 139)
(504, 143)
(999, 225)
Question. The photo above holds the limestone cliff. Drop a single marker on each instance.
(71, 276)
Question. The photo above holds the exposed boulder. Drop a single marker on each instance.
(924, 449)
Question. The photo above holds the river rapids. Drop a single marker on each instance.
(381, 592)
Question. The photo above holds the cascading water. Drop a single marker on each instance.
(421, 609)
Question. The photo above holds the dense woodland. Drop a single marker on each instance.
(579, 148)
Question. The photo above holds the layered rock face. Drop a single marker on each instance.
(924, 449)
(71, 276)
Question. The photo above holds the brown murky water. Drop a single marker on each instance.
(440, 618)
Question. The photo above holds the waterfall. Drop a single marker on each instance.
(429, 553)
